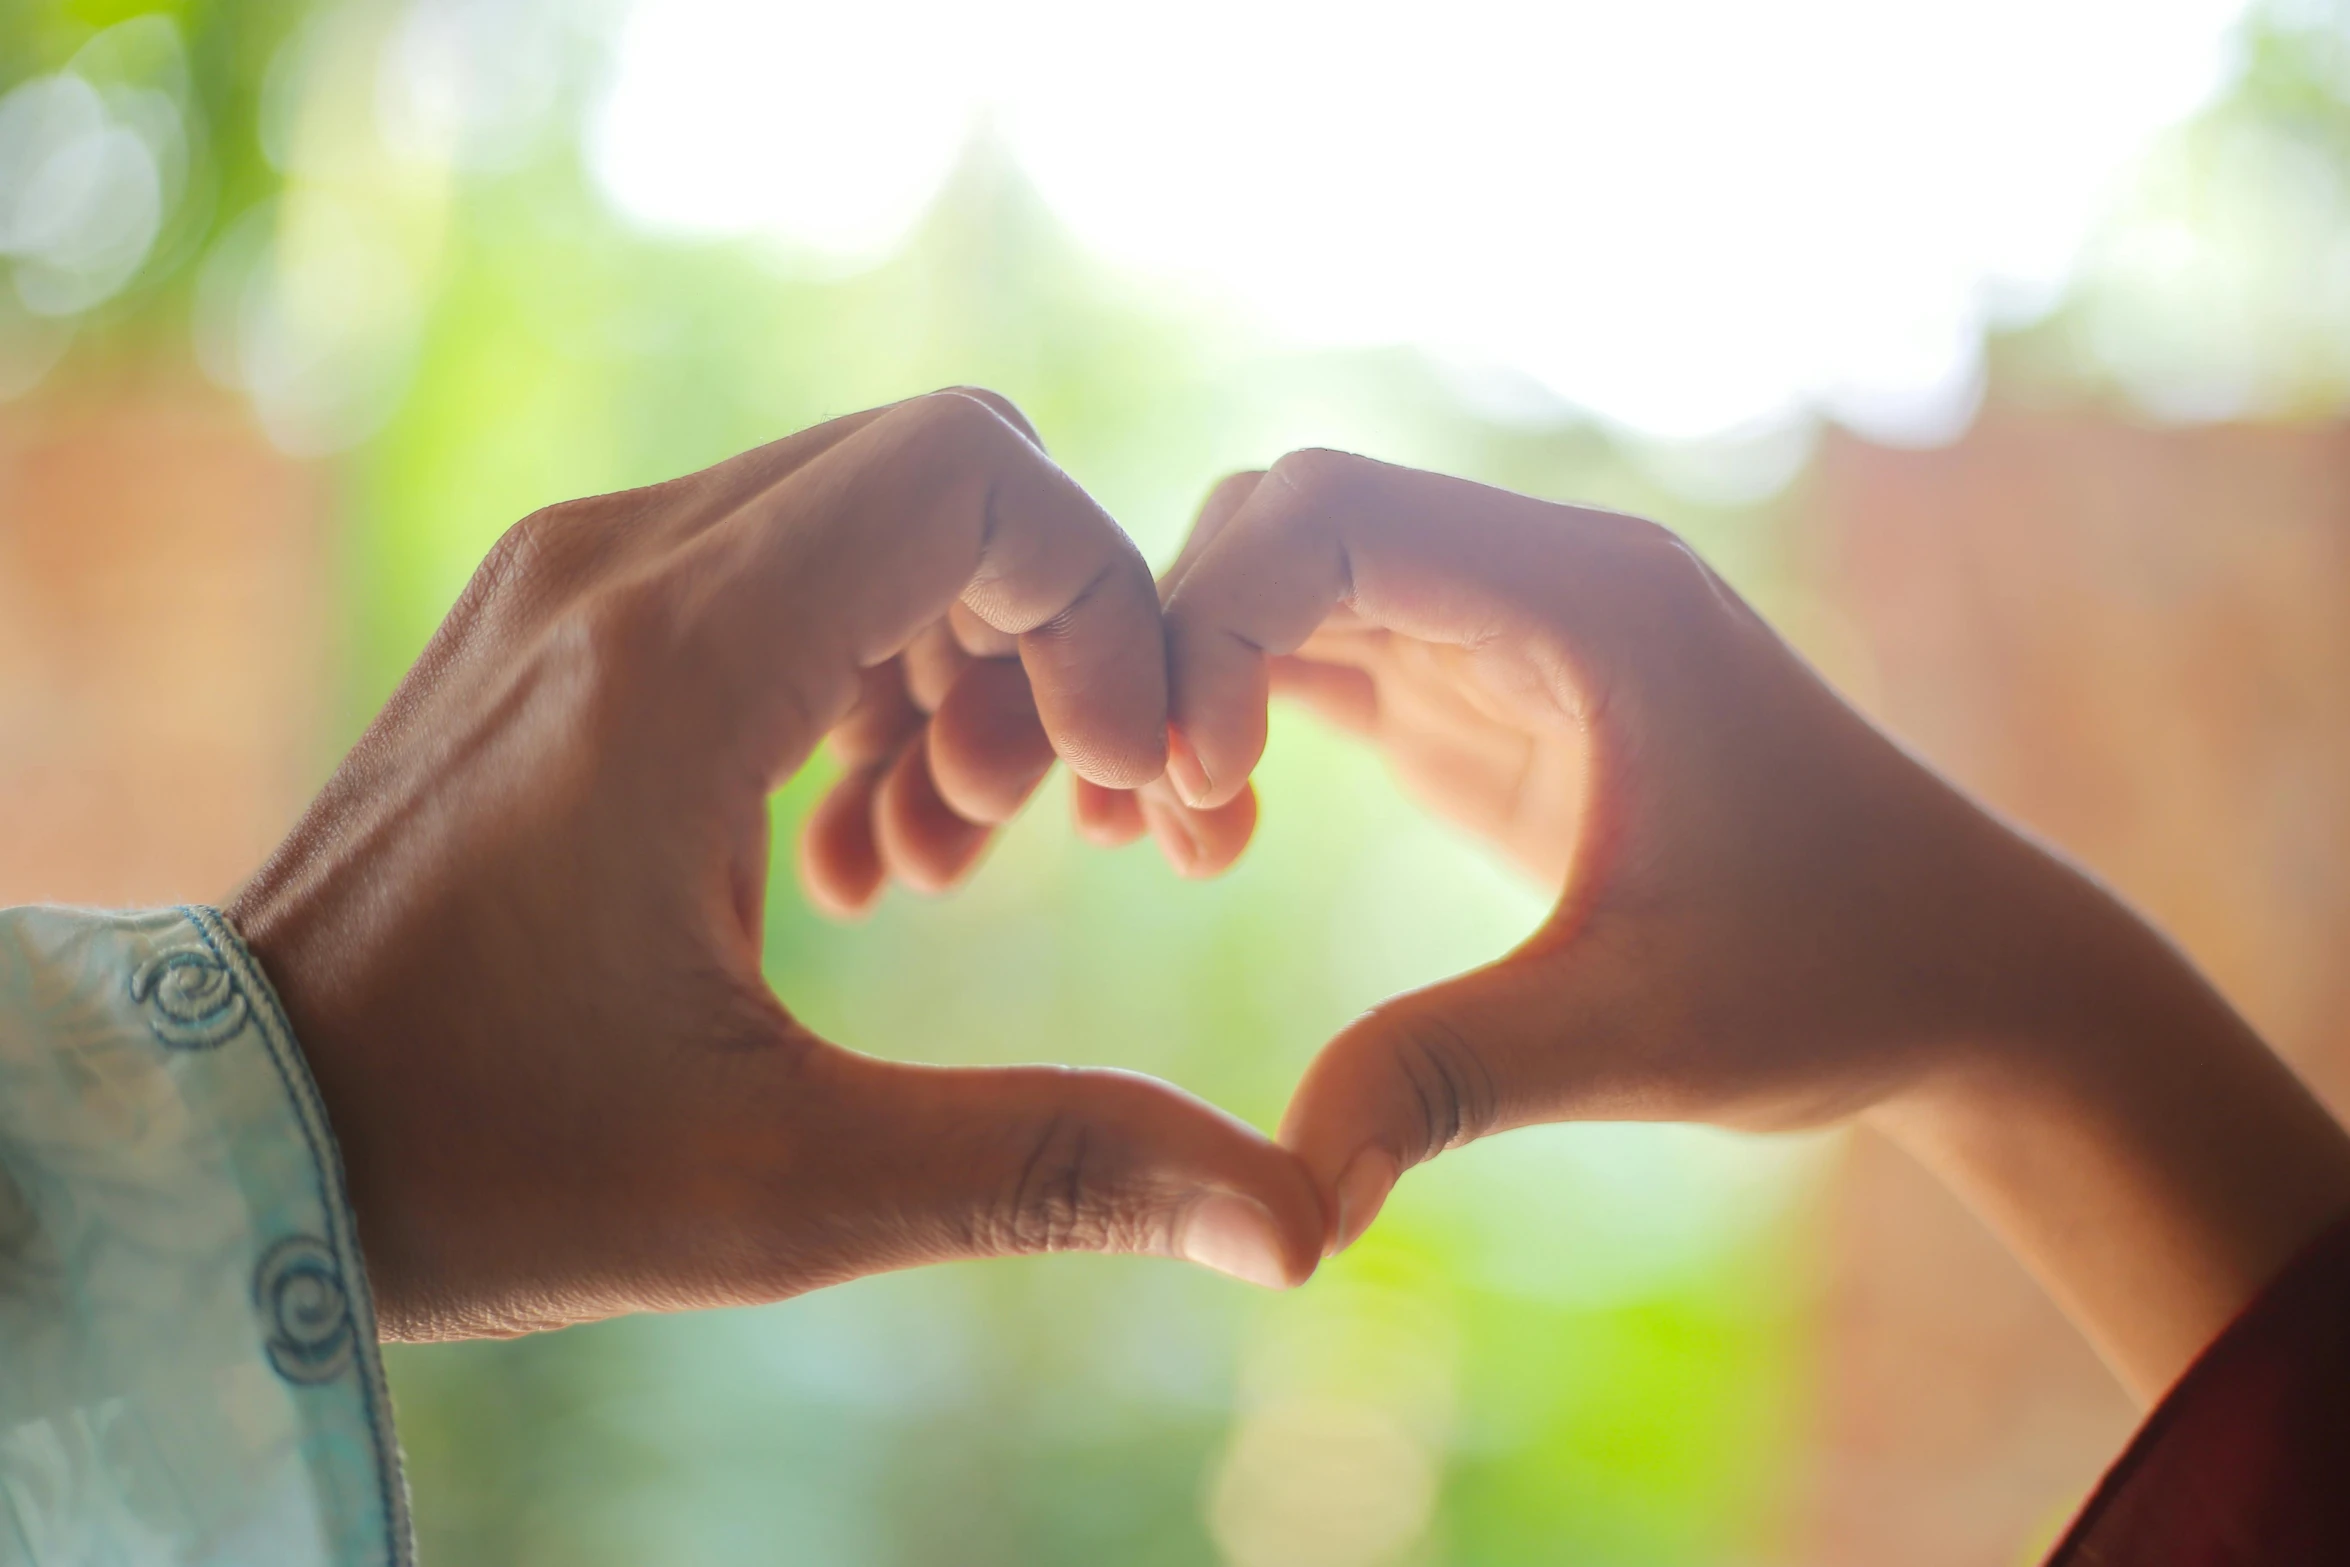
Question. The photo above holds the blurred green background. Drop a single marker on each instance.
(1567, 1345)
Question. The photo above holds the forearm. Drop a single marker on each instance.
(2148, 1156)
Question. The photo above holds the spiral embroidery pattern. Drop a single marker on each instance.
(192, 1000)
(301, 1297)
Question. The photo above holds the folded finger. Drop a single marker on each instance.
(1437, 559)
(938, 500)
(923, 841)
(840, 862)
(883, 718)
(933, 662)
(988, 748)
(1198, 841)
(1109, 818)
(1214, 512)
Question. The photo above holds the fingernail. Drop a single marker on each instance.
(1237, 1237)
(1173, 837)
(1184, 770)
(1362, 1191)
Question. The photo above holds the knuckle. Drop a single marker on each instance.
(961, 422)
(1064, 1196)
(520, 560)
(551, 555)
(1122, 581)
(1658, 554)
(1234, 488)
(996, 403)
(519, 546)
(520, 578)
(1665, 579)
(1449, 1091)
(620, 634)
(1316, 473)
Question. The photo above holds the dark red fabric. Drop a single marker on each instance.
(2247, 1461)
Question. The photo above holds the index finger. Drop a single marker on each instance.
(1435, 558)
(938, 500)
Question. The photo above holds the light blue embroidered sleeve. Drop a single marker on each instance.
(188, 1366)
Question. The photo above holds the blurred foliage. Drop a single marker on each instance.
(216, 67)
(1574, 1344)
(2219, 287)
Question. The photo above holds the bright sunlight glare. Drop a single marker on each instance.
(1686, 218)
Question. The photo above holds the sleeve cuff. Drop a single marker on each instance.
(2243, 1462)
(188, 1361)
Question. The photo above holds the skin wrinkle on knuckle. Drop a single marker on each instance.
(1058, 626)
(513, 575)
(512, 557)
(1001, 592)
(1061, 1199)
(568, 546)
(1048, 1203)
(1453, 1093)
(997, 589)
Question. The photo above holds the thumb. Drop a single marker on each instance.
(999, 1161)
(1434, 1069)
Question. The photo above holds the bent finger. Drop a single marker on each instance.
(882, 719)
(1222, 503)
(1107, 818)
(840, 863)
(988, 748)
(1198, 841)
(938, 500)
(923, 841)
(1438, 559)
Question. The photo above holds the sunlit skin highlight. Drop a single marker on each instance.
(519, 935)
(1769, 915)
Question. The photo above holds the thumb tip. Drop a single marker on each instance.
(1360, 1193)
(1238, 1238)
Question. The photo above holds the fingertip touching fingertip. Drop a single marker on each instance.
(1120, 766)
(1360, 1193)
(1185, 771)
(1239, 1238)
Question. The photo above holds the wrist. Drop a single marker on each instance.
(280, 918)
(2128, 1134)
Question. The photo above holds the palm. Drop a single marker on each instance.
(1475, 736)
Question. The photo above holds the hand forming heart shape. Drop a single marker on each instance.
(1732, 846)
(518, 933)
